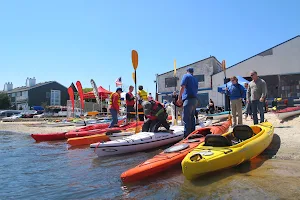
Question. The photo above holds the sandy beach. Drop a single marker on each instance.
(286, 133)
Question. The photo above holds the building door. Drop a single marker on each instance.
(202, 100)
(55, 98)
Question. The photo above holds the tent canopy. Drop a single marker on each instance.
(241, 81)
(103, 93)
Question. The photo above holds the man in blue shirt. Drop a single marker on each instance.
(188, 97)
(236, 93)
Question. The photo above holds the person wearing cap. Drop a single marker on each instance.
(142, 95)
(188, 97)
(156, 116)
(114, 106)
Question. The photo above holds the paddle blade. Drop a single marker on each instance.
(133, 77)
(223, 65)
(174, 68)
(135, 59)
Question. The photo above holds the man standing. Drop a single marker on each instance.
(142, 96)
(236, 94)
(256, 94)
(188, 96)
(114, 106)
(130, 105)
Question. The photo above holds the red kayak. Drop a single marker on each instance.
(48, 136)
(72, 134)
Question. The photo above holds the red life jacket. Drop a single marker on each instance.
(156, 106)
(130, 102)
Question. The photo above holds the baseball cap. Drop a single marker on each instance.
(190, 69)
(119, 89)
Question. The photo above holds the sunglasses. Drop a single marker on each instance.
(252, 74)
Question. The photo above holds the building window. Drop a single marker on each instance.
(170, 82)
(55, 97)
(200, 78)
(47, 95)
(13, 94)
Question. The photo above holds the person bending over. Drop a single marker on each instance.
(156, 116)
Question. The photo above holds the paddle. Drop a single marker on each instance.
(175, 81)
(135, 61)
(224, 70)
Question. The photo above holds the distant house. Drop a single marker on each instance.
(33, 94)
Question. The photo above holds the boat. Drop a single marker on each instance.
(86, 140)
(218, 116)
(72, 134)
(287, 112)
(227, 150)
(222, 115)
(39, 137)
(173, 155)
(139, 142)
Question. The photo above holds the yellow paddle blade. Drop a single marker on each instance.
(133, 77)
(135, 59)
(223, 65)
(174, 68)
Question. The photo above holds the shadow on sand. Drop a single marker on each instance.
(245, 167)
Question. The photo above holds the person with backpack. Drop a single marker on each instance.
(236, 94)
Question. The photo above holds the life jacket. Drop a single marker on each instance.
(144, 96)
(156, 107)
(111, 99)
(130, 102)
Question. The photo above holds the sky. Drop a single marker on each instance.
(72, 40)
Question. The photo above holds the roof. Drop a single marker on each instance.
(192, 64)
(24, 88)
(264, 51)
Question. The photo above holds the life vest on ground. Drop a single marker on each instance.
(111, 99)
(130, 102)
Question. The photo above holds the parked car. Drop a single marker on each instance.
(8, 113)
(12, 118)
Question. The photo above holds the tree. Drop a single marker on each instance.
(85, 90)
(4, 101)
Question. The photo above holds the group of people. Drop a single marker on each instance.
(149, 109)
(255, 96)
(186, 101)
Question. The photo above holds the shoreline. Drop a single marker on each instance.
(287, 134)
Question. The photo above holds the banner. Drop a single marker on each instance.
(95, 90)
(71, 95)
(80, 92)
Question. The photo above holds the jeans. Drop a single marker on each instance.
(257, 105)
(189, 107)
(114, 115)
(248, 109)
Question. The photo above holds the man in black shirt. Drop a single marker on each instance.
(176, 107)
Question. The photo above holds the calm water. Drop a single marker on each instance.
(30, 170)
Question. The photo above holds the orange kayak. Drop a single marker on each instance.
(78, 141)
(90, 139)
(173, 155)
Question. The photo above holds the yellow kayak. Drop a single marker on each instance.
(230, 149)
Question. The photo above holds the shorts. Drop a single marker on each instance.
(130, 109)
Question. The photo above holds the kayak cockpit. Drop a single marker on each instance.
(239, 134)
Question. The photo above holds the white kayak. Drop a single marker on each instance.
(288, 112)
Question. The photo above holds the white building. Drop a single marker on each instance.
(203, 71)
(279, 66)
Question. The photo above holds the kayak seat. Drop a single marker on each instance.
(242, 132)
(216, 141)
(194, 136)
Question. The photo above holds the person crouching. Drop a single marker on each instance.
(156, 116)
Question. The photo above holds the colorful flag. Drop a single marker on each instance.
(71, 95)
(80, 92)
(118, 81)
